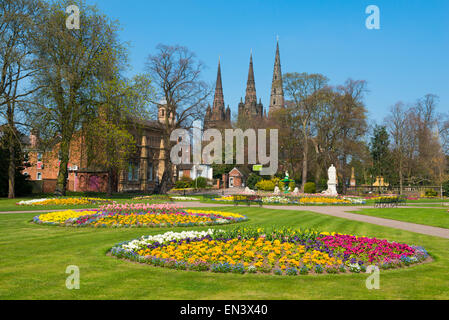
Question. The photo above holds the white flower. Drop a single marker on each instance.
(164, 238)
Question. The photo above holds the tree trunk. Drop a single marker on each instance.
(12, 154)
(304, 166)
(400, 177)
(11, 169)
(61, 185)
(317, 164)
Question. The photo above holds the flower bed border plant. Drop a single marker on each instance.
(392, 257)
(99, 218)
(306, 199)
(64, 201)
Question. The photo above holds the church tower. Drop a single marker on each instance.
(250, 108)
(218, 116)
(277, 91)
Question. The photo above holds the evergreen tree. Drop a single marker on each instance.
(380, 153)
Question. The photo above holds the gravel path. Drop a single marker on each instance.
(340, 212)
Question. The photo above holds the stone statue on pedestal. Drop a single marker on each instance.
(332, 182)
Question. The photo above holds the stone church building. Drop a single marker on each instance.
(218, 117)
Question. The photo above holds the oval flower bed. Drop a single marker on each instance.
(280, 252)
(62, 201)
(303, 200)
(139, 215)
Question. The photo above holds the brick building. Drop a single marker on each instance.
(143, 173)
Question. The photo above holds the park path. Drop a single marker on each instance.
(335, 211)
(343, 212)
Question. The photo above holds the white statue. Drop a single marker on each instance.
(249, 191)
(276, 190)
(296, 191)
(332, 182)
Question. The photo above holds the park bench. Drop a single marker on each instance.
(248, 200)
(389, 202)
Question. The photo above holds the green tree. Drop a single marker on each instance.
(109, 130)
(380, 152)
(73, 63)
(252, 180)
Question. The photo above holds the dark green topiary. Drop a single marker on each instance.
(252, 180)
(310, 187)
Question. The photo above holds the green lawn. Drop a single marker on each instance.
(10, 204)
(34, 259)
(428, 216)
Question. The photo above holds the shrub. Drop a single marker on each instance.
(446, 188)
(281, 186)
(310, 187)
(431, 193)
(292, 186)
(322, 185)
(265, 185)
(199, 183)
(184, 182)
(252, 180)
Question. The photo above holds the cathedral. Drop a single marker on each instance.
(220, 118)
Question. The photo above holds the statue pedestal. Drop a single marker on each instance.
(331, 189)
(332, 182)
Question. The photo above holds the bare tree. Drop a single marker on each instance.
(176, 74)
(17, 23)
(352, 125)
(301, 90)
(398, 124)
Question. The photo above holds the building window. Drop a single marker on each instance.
(39, 176)
(133, 171)
(39, 156)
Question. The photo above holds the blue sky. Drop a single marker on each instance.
(407, 58)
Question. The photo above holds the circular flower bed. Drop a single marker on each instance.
(62, 201)
(139, 215)
(276, 251)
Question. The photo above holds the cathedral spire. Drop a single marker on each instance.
(251, 84)
(277, 90)
(218, 105)
(218, 116)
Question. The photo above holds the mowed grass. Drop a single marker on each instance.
(427, 216)
(34, 259)
(7, 205)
